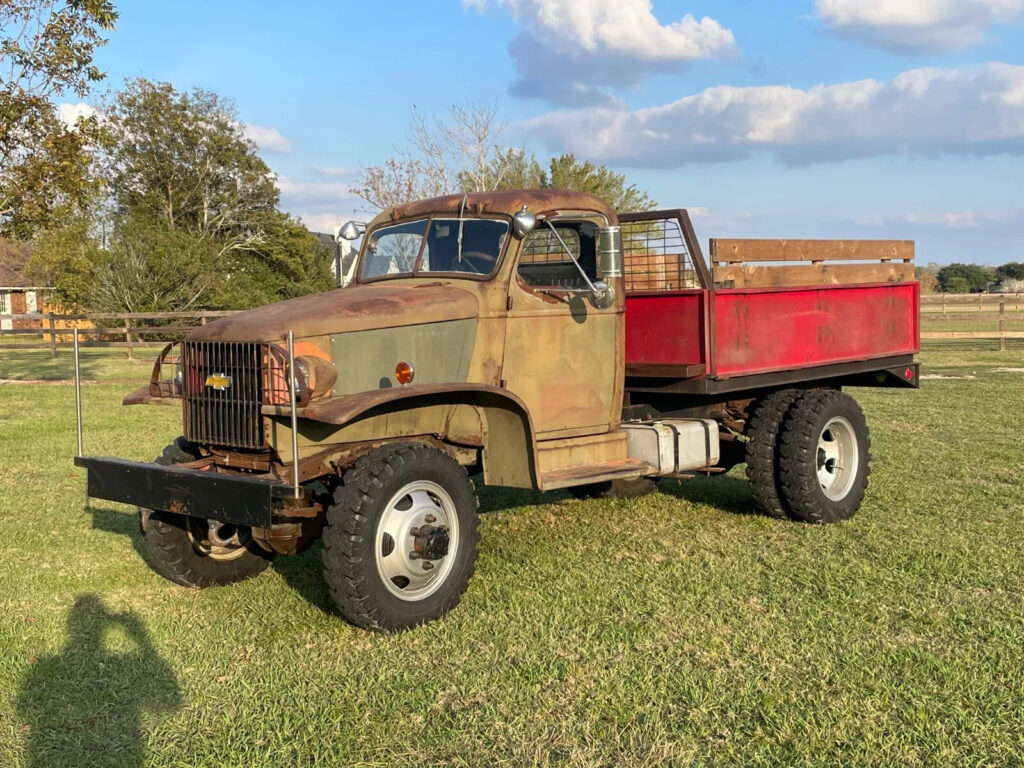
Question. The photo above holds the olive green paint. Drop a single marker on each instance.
(439, 354)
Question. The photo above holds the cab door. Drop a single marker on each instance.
(563, 355)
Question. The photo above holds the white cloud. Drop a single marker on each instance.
(267, 139)
(916, 26)
(976, 110)
(322, 205)
(959, 219)
(334, 172)
(568, 50)
(69, 114)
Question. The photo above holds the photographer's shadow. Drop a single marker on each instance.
(83, 706)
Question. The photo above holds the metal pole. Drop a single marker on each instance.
(295, 414)
(78, 396)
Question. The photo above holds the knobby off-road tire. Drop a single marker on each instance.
(175, 547)
(824, 457)
(763, 450)
(616, 489)
(376, 578)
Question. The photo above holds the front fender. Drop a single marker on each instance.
(508, 439)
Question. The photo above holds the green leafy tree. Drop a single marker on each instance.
(182, 158)
(192, 215)
(566, 172)
(957, 284)
(977, 278)
(1012, 271)
(46, 51)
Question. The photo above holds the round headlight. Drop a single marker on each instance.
(318, 374)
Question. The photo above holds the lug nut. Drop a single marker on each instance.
(414, 555)
(430, 518)
(427, 565)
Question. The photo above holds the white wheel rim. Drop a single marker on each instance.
(838, 458)
(417, 504)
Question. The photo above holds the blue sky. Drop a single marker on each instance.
(798, 118)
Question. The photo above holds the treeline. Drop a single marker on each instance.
(154, 201)
(972, 278)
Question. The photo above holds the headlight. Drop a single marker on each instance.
(318, 374)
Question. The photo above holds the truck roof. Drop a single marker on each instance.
(508, 202)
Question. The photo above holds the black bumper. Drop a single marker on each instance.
(226, 498)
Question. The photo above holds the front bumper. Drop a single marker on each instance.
(233, 499)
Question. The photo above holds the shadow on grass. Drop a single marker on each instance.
(83, 706)
(119, 522)
(304, 573)
(729, 493)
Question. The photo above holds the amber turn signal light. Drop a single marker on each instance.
(404, 372)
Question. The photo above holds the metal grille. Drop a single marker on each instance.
(224, 383)
(655, 257)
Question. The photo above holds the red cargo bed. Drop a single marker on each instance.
(686, 322)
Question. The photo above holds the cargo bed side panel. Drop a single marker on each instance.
(763, 330)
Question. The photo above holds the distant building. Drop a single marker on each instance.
(17, 295)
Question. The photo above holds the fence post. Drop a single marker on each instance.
(202, 319)
(1002, 325)
(128, 337)
(53, 336)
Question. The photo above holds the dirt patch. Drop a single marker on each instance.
(1008, 370)
(943, 376)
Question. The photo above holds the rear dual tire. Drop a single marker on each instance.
(808, 456)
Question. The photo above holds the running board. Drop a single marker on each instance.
(620, 469)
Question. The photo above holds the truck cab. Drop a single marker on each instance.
(535, 339)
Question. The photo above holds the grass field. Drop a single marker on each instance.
(673, 630)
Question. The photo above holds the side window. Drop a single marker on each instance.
(544, 263)
(656, 258)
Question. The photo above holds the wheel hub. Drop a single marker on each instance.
(837, 458)
(416, 537)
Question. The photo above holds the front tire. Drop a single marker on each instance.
(401, 538)
(824, 457)
(183, 549)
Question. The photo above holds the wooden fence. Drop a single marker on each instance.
(134, 328)
(957, 316)
(943, 316)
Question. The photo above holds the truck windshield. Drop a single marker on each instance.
(432, 246)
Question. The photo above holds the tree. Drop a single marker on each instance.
(977, 278)
(191, 215)
(957, 284)
(566, 172)
(46, 50)
(1012, 271)
(182, 158)
(463, 155)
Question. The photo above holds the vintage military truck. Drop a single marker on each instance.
(533, 338)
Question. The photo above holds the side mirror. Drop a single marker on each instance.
(523, 223)
(609, 253)
(351, 230)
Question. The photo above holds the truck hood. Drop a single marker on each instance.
(386, 304)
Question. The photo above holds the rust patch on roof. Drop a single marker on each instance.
(504, 202)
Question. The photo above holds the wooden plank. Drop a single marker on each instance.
(973, 335)
(739, 251)
(810, 275)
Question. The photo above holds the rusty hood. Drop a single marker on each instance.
(387, 304)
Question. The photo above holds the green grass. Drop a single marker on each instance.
(673, 630)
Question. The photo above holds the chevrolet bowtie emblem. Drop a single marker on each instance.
(218, 381)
